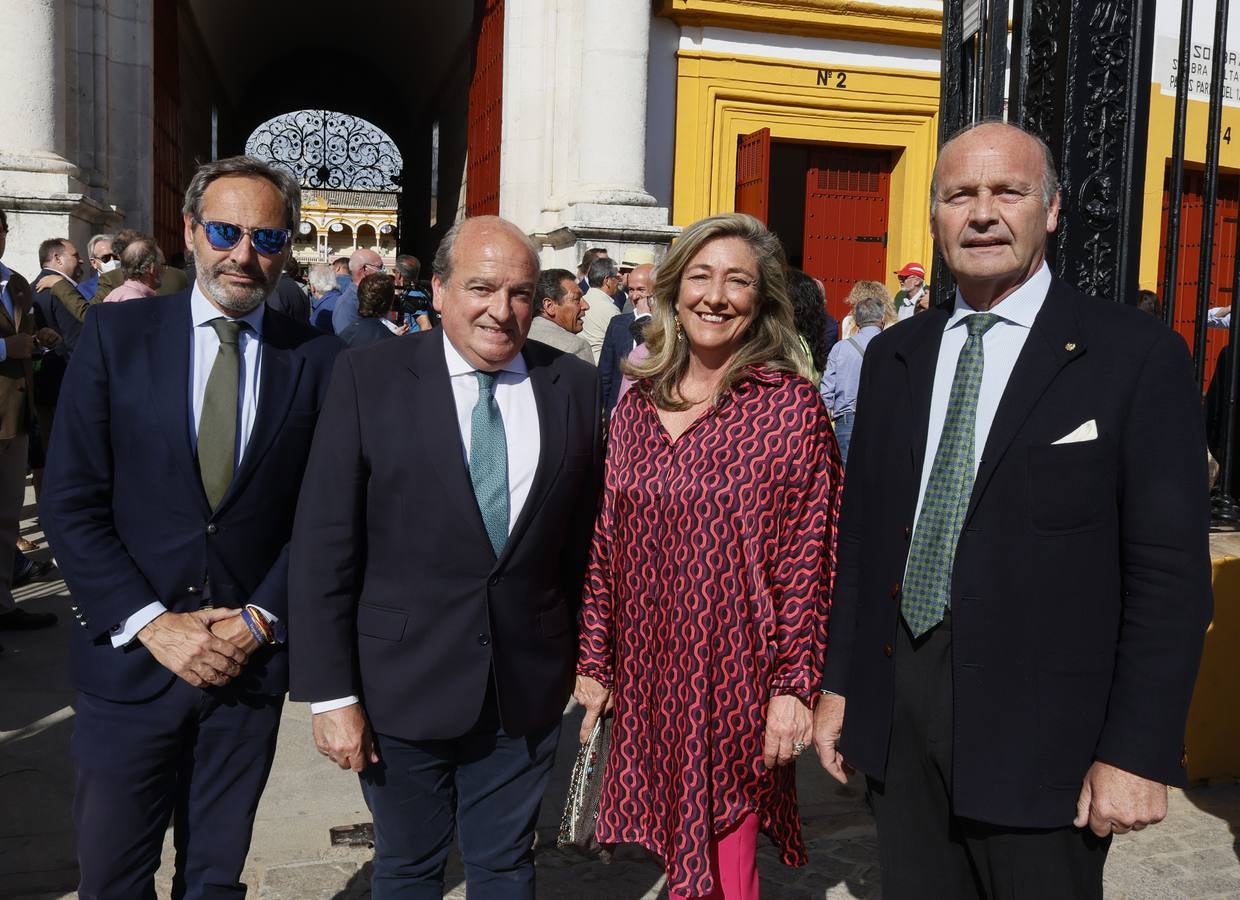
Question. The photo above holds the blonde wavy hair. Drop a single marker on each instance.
(770, 341)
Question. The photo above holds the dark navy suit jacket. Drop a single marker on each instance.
(124, 507)
(1080, 591)
(397, 595)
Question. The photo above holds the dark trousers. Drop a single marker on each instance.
(485, 786)
(197, 757)
(927, 852)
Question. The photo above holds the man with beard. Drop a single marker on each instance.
(186, 423)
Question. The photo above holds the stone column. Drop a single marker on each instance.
(32, 102)
(611, 125)
(40, 189)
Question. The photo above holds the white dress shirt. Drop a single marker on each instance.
(1001, 345)
(515, 396)
(204, 346)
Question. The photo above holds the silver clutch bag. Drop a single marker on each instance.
(584, 789)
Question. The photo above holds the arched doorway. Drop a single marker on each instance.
(349, 170)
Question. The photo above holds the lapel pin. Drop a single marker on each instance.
(1069, 346)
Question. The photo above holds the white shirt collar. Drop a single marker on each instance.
(458, 366)
(202, 311)
(5, 274)
(61, 274)
(1019, 307)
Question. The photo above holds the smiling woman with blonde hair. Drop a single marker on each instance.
(704, 613)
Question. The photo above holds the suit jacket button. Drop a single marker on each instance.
(888, 650)
(211, 529)
(483, 640)
(908, 532)
(895, 590)
(192, 589)
(493, 580)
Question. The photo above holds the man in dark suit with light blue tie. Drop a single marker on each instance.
(184, 430)
(1024, 572)
(443, 617)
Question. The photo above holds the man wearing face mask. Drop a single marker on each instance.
(185, 426)
(101, 259)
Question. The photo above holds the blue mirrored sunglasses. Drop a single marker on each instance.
(226, 235)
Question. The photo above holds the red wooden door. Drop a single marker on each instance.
(486, 103)
(168, 186)
(753, 173)
(1192, 216)
(846, 207)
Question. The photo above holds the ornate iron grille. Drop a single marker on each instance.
(325, 149)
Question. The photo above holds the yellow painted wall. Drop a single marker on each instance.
(1158, 155)
(1213, 735)
(720, 96)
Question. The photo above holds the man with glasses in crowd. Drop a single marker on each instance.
(186, 424)
(361, 264)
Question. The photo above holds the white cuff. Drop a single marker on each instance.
(124, 632)
(323, 706)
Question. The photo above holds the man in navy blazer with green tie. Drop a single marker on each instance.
(185, 422)
(1024, 574)
(434, 629)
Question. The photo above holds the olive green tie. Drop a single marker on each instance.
(217, 426)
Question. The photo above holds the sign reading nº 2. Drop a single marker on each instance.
(832, 79)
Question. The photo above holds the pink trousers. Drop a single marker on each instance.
(733, 863)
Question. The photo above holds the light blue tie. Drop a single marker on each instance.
(927, 582)
(488, 462)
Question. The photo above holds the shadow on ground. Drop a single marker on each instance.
(37, 846)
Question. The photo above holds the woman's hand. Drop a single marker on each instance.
(595, 698)
(789, 730)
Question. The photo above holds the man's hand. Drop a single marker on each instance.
(236, 632)
(19, 346)
(183, 644)
(402, 329)
(789, 722)
(595, 698)
(47, 337)
(828, 725)
(1115, 801)
(343, 736)
(47, 281)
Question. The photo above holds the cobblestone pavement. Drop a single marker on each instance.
(1194, 854)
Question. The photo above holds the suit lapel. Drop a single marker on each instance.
(279, 372)
(168, 338)
(920, 354)
(1044, 354)
(434, 415)
(552, 403)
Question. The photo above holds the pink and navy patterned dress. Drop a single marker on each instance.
(707, 593)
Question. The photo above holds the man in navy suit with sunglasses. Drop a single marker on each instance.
(184, 431)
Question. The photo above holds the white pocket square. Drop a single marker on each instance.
(1088, 431)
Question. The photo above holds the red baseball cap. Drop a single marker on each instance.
(912, 269)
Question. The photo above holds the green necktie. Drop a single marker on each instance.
(217, 427)
(927, 580)
(488, 462)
